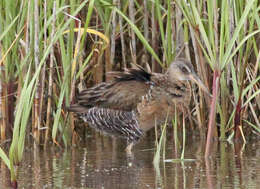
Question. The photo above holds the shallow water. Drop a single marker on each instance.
(99, 162)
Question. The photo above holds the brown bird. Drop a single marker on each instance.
(135, 100)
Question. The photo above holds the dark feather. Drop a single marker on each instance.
(124, 92)
(132, 74)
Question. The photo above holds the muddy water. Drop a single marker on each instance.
(100, 162)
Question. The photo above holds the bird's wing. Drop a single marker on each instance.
(122, 93)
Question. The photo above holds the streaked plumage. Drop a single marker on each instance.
(118, 123)
(135, 100)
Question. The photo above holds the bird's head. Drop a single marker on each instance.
(183, 70)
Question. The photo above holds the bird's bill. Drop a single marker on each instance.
(201, 85)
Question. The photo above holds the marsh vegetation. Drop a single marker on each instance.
(49, 50)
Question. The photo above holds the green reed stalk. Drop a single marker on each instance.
(64, 81)
(29, 86)
(220, 49)
(159, 146)
(223, 34)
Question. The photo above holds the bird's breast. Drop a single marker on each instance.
(162, 103)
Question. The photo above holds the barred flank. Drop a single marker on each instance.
(114, 122)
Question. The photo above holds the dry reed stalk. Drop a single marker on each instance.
(73, 82)
(36, 106)
(113, 34)
(237, 119)
(3, 107)
(179, 30)
(98, 69)
(122, 38)
(154, 39)
(186, 42)
(146, 28)
(43, 71)
(201, 120)
(108, 50)
(254, 114)
(202, 67)
(133, 40)
(81, 84)
(95, 61)
(254, 75)
(108, 63)
(10, 106)
(239, 106)
(202, 72)
(50, 82)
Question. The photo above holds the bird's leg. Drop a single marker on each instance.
(129, 148)
(129, 154)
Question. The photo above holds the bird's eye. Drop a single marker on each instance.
(185, 70)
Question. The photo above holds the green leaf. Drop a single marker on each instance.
(235, 35)
(234, 81)
(252, 97)
(203, 33)
(9, 27)
(4, 158)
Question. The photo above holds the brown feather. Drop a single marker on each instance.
(135, 100)
(122, 93)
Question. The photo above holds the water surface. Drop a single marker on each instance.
(100, 162)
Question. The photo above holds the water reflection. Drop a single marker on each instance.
(101, 163)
